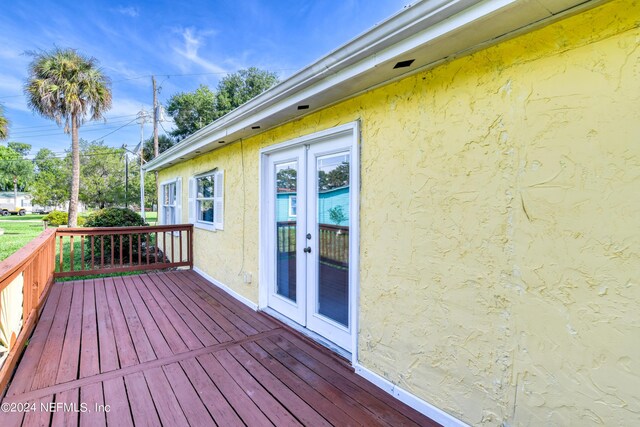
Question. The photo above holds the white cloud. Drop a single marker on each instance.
(130, 11)
(11, 90)
(192, 41)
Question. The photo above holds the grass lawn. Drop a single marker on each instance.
(16, 235)
(20, 230)
(151, 217)
(28, 217)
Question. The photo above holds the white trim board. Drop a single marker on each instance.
(422, 406)
(246, 301)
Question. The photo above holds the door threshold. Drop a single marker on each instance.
(314, 336)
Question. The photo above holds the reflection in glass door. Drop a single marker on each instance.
(332, 200)
(286, 226)
(329, 212)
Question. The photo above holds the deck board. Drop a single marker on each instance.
(45, 373)
(139, 337)
(172, 349)
(124, 344)
(90, 352)
(22, 379)
(70, 359)
(142, 407)
(93, 396)
(106, 337)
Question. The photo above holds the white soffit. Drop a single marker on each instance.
(429, 32)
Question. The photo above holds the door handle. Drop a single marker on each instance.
(307, 249)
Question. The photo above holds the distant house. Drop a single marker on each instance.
(334, 201)
(485, 157)
(7, 199)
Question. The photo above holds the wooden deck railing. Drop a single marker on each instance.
(87, 251)
(27, 275)
(25, 279)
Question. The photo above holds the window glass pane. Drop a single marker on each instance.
(205, 186)
(293, 205)
(172, 193)
(333, 231)
(166, 195)
(205, 210)
(286, 185)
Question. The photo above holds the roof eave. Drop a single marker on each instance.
(426, 23)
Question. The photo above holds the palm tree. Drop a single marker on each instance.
(65, 85)
(4, 125)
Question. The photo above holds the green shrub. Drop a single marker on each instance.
(114, 217)
(58, 218)
(117, 217)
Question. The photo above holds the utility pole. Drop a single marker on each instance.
(155, 118)
(126, 180)
(142, 119)
(156, 149)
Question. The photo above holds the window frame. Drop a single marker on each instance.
(199, 200)
(217, 199)
(291, 206)
(175, 206)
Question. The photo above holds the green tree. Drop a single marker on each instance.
(286, 180)
(194, 110)
(4, 125)
(238, 88)
(191, 111)
(15, 172)
(337, 215)
(335, 178)
(51, 185)
(65, 85)
(103, 175)
(164, 143)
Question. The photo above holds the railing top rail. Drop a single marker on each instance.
(121, 230)
(25, 254)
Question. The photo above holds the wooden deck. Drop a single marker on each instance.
(171, 349)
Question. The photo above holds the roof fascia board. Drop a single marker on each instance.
(403, 21)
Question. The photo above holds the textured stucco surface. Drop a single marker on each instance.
(501, 283)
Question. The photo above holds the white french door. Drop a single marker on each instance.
(309, 211)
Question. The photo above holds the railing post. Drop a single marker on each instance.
(191, 256)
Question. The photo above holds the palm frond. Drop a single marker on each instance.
(63, 83)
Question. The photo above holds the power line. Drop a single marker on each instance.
(114, 151)
(146, 76)
(92, 128)
(54, 125)
(41, 135)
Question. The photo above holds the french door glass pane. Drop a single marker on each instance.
(333, 231)
(286, 193)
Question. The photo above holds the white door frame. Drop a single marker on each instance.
(293, 310)
(265, 241)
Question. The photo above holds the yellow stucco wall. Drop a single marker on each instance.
(501, 280)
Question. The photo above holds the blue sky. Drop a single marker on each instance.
(184, 43)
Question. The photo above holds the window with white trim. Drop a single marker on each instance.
(293, 205)
(206, 200)
(170, 202)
